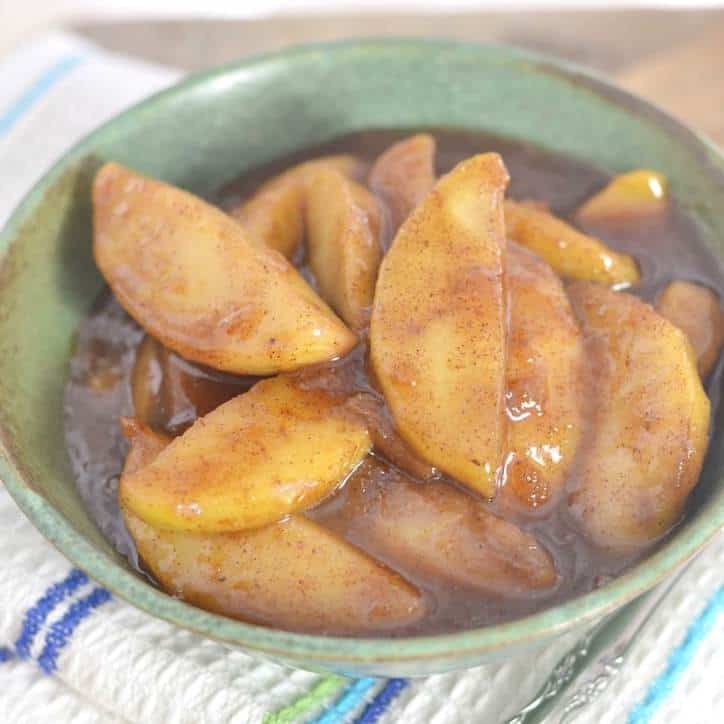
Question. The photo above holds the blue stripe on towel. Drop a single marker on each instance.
(31, 95)
(379, 705)
(678, 661)
(351, 698)
(36, 616)
(5, 654)
(60, 632)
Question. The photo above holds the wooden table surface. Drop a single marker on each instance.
(674, 58)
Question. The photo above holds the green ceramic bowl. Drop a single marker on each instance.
(203, 132)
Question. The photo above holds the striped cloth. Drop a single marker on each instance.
(71, 652)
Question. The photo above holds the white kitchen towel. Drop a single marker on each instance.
(71, 652)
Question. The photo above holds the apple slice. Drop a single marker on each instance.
(272, 451)
(570, 252)
(274, 216)
(435, 530)
(386, 439)
(187, 273)
(651, 422)
(546, 364)
(343, 227)
(144, 444)
(697, 312)
(170, 393)
(404, 175)
(438, 331)
(294, 574)
(630, 198)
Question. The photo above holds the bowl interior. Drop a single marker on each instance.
(209, 129)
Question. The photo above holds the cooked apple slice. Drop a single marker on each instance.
(439, 531)
(697, 312)
(274, 216)
(343, 227)
(651, 422)
(438, 332)
(144, 444)
(386, 439)
(147, 378)
(404, 175)
(294, 574)
(570, 252)
(169, 393)
(546, 363)
(634, 197)
(187, 273)
(272, 451)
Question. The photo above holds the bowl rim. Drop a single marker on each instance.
(301, 647)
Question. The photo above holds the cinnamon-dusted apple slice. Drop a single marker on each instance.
(570, 252)
(188, 274)
(439, 531)
(696, 311)
(651, 421)
(274, 216)
(272, 451)
(404, 175)
(343, 228)
(438, 332)
(546, 362)
(385, 438)
(294, 574)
